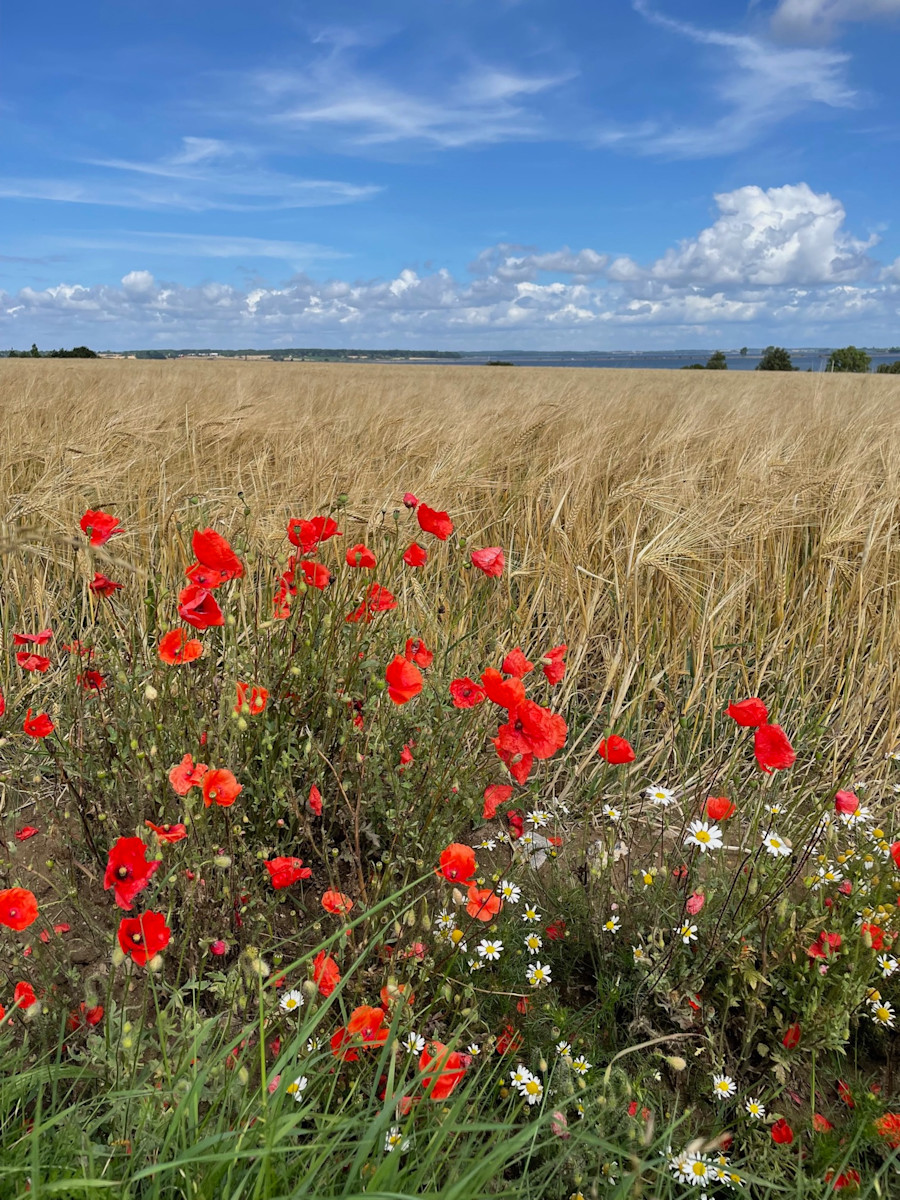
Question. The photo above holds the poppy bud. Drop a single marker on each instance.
(150, 692)
(676, 1062)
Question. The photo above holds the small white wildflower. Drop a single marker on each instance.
(705, 835)
(291, 1001)
(490, 948)
(297, 1087)
(723, 1087)
(776, 845)
(394, 1140)
(755, 1108)
(413, 1042)
(531, 914)
(687, 933)
(511, 892)
(537, 974)
(660, 795)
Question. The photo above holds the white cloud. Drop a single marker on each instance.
(788, 235)
(774, 265)
(298, 255)
(755, 85)
(204, 174)
(818, 20)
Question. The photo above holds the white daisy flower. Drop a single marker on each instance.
(883, 1013)
(520, 1075)
(313, 1044)
(612, 813)
(826, 876)
(394, 1140)
(563, 1049)
(639, 954)
(537, 974)
(511, 892)
(776, 845)
(490, 948)
(687, 933)
(445, 922)
(888, 964)
(531, 914)
(580, 1065)
(533, 943)
(413, 1042)
(487, 844)
(660, 795)
(755, 1108)
(696, 1170)
(475, 964)
(612, 925)
(291, 1001)
(474, 1049)
(704, 834)
(649, 876)
(538, 817)
(723, 1087)
(532, 1090)
(297, 1087)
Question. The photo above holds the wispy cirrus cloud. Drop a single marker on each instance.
(820, 20)
(298, 255)
(205, 174)
(754, 84)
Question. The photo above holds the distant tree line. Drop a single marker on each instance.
(77, 352)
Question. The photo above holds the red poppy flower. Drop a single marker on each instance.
(18, 908)
(506, 692)
(772, 749)
(317, 575)
(100, 585)
(410, 500)
(198, 607)
(39, 726)
(185, 775)
(24, 996)
(495, 795)
(782, 1134)
(406, 755)
(484, 904)
(720, 808)
(360, 556)
(516, 664)
(518, 764)
(615, 750)
(489, 561)
(92, 681)
(846, 802)
(26, 832)
(695, 902)
(168, 833)
(846, 1179)
(315, 800)
(895, 853)
(509, 1040)
(127, 870)
(825, 945)
(213, 551)
(326, 975)
(366, 1023)
(888, 1127)
(176, 648)
(415, 555)
(516, 823)
(285, 871)
(143, 937)
(457, 863)
(552, 664)
(2, 704)
(465, 693)
(306, 535)
(255, 703)
(99, 526)
(336, 903)
(404, 680)
(32, 662)
(33, 639)
(84, 1017)
(845, 1094)
(531, 729)
(432, 521)
(556, 930)
(206, 577)
(791, 1039)
(872, 935)
(821, 1124)
(417, 652)
(749, 713)
(446, 1069)
(220, 787)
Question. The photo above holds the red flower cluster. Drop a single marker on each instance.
(285, 871)
(127, 870)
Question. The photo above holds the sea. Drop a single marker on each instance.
(803, 360)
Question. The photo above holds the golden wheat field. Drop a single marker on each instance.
(671, 525)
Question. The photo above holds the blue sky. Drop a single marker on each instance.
(451, 173)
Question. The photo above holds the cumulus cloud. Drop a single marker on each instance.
(776, 262)
(819, 20)
(784, 235)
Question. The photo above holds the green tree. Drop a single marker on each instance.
(743, 351)
(775, 358)
(693, 367)
(35, 353)
(717, 361)
(889, 368)
(848, 359)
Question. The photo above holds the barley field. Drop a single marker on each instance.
(554, 858)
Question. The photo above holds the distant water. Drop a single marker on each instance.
(814, 360)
